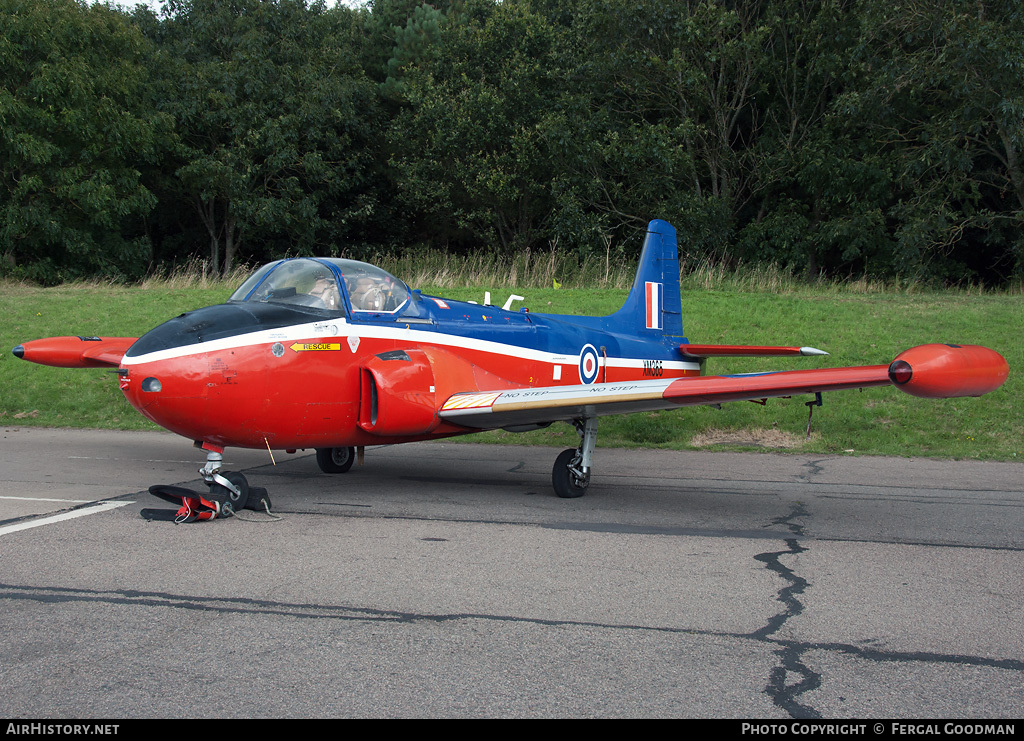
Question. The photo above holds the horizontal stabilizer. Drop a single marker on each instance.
(749, 351)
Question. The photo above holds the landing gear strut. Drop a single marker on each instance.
(230, 488)
(571, 474)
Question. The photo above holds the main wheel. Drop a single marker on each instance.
(230, 498)
(335, 460)
(567, 484)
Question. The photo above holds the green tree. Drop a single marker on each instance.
(664, 122)
(384, 32)
(413, 41)
(74, 134)
(469, 149)
(939, 92)
(813, 188)
(276, 124)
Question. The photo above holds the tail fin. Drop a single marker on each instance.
(654, 305)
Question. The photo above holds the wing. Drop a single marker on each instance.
(931, 371)
(76, 352)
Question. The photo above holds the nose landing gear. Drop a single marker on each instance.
(230, 489)
(229, 492)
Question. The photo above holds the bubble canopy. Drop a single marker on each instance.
(328, 284)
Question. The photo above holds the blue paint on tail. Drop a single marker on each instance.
(654, 305)
(649, 325)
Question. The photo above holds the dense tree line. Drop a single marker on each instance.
(837, 137)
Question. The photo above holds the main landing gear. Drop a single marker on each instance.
(571, 474)
(335, 460)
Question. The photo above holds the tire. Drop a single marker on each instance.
(562, 479)
(230, 499)
(335, 460)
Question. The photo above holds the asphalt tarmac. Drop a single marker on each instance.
(447, 580)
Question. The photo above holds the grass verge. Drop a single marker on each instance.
(858, 326)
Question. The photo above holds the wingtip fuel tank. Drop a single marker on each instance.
(939, 371)
(75, 351)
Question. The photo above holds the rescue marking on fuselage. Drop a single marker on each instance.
(316, 346)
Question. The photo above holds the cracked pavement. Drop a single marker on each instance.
(445, 580)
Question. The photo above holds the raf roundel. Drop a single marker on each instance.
(589, 364)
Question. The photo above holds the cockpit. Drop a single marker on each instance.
(330, 284)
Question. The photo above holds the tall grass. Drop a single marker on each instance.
(557, 268)
(195, 273)
(553, 268)
(527, 269)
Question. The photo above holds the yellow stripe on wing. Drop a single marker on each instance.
(471, 401)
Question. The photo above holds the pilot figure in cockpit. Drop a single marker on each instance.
(326, 290)
(365, 294)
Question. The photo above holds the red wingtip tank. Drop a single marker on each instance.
(75, 352)
(948, 371)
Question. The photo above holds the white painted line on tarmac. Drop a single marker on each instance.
(44, 499)
(134, 460)
(95, 509)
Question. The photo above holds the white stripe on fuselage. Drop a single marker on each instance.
(341, 328)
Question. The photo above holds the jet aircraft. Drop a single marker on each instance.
(335, 355)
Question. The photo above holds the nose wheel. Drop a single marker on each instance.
(229, 488)
(232, 488)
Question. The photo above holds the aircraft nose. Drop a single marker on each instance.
(214, 323)
(19, 351)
